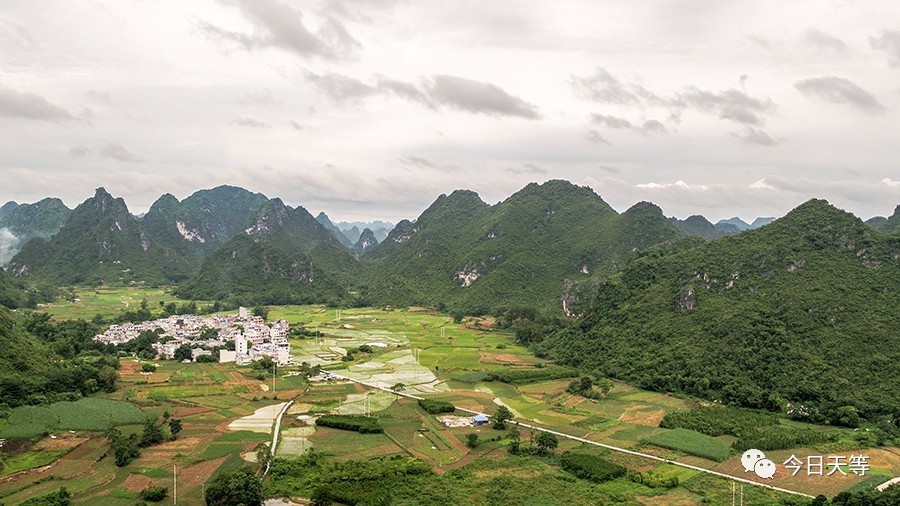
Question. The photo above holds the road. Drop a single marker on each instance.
(275, 435)
(594, 443)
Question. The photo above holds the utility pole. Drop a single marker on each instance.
(174, 484)
(274, 365)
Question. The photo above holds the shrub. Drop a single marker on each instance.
(591, 467)
(525, 376)
(361, 424)
(154, 494)
(435, 407)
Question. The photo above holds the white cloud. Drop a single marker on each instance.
(317, 101)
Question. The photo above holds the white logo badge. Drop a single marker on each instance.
(749, 459)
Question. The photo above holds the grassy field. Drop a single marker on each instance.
(692, 443)
(89, 414)
(108, 302)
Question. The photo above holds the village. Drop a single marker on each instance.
(252, 338)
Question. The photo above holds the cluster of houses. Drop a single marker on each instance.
(253, 339)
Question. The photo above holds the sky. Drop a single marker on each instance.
(370, 109)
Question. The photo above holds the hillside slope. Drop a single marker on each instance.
(100, 242)
(801, 313)
(468, 255)
(283, 256)
(19, 223)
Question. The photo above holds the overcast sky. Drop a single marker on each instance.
(369, 109)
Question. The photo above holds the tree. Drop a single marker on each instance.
(261, 311)
(174, 427)
(399, 387)
(605, 385)
(501, 416)
(153, 434)
(239, 487)
(547, 442)
(263, 364)
(148, 367)
(183, 353)
(124, 448)
(472, 440)
(59, 498)
(515, 440)
(263, 455)
(154, 494)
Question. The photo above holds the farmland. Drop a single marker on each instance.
(226, 412)
(106, 301)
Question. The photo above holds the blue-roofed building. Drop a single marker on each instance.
(480, 419)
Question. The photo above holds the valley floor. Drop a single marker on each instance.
(227, 411)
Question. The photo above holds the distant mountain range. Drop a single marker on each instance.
(19, 223)
(233, 244)
(464, 253)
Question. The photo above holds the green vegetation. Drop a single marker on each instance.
(690, 442)
(786, 317)
(40, 361)
(60, 497)
(361, 424)
(85, 414)
(889, 497)
(435, 406)
(591, 467)
(154, 494)
(26, 221)
(372, 482)
(74, 256)
(30, 460)
(287, 258)
(500, 417)
(237, 488)
(525, 376)
(718, 420)
(752, 429)
(516, 253)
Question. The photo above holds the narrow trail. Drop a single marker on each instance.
(595, 443)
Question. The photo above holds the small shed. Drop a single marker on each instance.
(480, 419)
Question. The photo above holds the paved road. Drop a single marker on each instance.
(275, 435)
(595, 443)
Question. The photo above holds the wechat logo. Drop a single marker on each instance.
(756, 461)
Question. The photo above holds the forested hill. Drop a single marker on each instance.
(10, 295)
(468, 255)
(19, 223)
(40, 362)
(202, 222)
(800, 314)
(893, 222)
(283, 256)
(100, 241)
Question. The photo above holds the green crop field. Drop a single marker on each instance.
(85, 414)
(29, 460)
(108, 302)
(690, 442)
